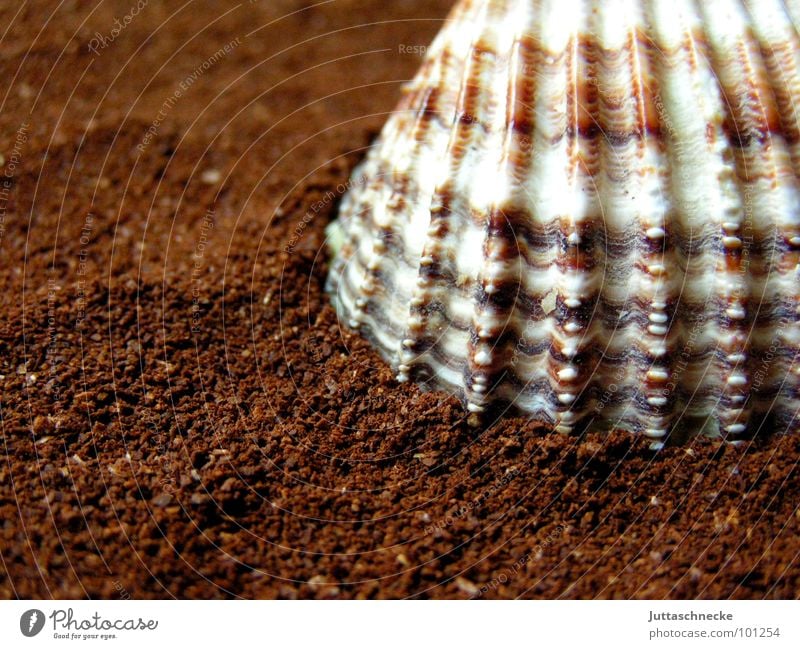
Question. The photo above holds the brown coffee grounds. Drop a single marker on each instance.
(182, 414)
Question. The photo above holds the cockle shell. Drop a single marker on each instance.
(589, 211)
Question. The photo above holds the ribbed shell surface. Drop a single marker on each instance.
(590, 212)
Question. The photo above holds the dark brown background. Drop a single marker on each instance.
(207, 430)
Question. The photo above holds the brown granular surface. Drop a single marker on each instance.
(182, 414)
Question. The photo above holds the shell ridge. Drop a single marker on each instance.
(421, 331)
(567, 352)
(679, 277)
(760, 162)
(729, 289)
(657, 412)
(385, 233)
(497, 285)
(619, 107)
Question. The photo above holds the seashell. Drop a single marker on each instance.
(589, 212)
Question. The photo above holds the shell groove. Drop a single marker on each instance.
(590, 212)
